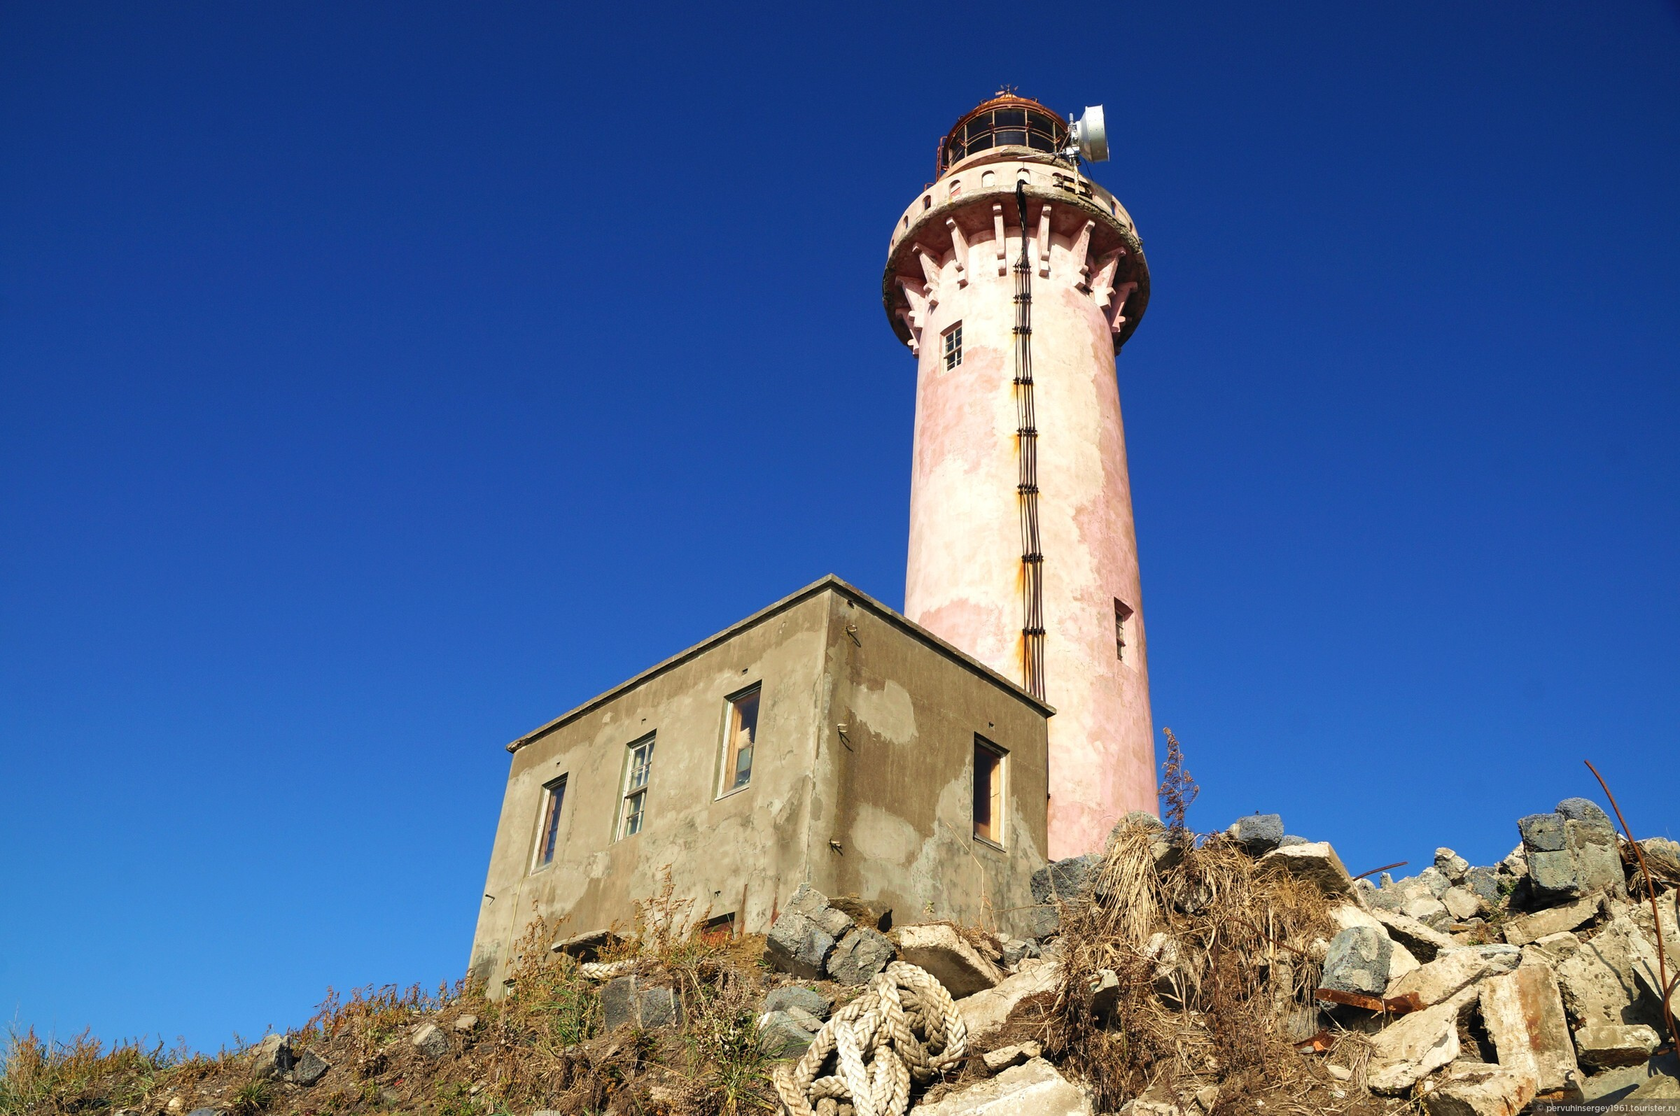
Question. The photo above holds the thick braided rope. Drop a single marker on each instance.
(904, 1026)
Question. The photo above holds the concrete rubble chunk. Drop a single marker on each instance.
(465, 1023)
(1016, 950)
(1420, 939)
(1315, 862)
(796, 996)
(1039, 921)
(1659, 1087)
(808, 901)
(1647, 972)
(1595, 983)
(835, 923)
(1451, 865)
(1064, 879)
(658, 1007)
(1257, 833)
(985, 1012)
(1004, 1057)
(1461, 903)
(430, 1040)
(1358, 961)
(1522, 929)
(1607, 1045)
(1033, 1088)
(618, 1003)
(1105, 992)
(1541, 833)
(861, 954)
(947, 955)
(781, 1036)
(1585, 810)
(798, 945)
(272, 1057)
(1292, 839)
(1452, 972)
(1483, 883)
(309, 1069)
(1432, 880)
(1427, 910)
(1479, 1089)
(1553, 949)
(1515, 863)
(1523, 1015)
(1412, 1047)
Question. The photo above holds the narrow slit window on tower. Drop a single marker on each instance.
(953, 346)
(740, 732)
(1122, 622)
(988, 791)
(638, 767)
(554, 796)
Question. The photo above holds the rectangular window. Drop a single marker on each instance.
(636, 771)
(953, 346)
(988, 791)
(1122, 617)
(740, 731)
(554, 795)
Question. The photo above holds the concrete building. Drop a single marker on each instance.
(824, 739)
(1015, 280)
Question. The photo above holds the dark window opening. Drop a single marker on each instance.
(1122, 617)
(554, 796)
(988, 791)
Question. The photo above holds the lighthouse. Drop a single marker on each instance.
(1015, 280)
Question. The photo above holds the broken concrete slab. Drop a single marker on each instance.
(1315, 862)
(1597, 982)
(1002, 1058)
(1412, 1047)
(1461, 903)
(985, 1012)
(1451, 972)
(1522, 929)
(1480, 1089)
(1523, 1014)
(1421, 940)
(1552, 949)
(1031, 1089)
(1659, 1087)
(946, 954)
(1608, 1045)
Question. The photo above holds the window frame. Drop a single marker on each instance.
(628, 791)
(548, 822)
(951, 346)
(1123, 614)
(729, 755)
(997, 797)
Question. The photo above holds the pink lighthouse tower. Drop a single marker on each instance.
(1015, 280)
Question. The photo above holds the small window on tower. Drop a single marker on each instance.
(637, 769)
(554, 796)
(988, 791)
(953, 346)
(740, 732)
(1122, 628)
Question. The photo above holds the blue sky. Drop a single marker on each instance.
(382, 380)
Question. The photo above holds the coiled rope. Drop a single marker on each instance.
(903, 1027)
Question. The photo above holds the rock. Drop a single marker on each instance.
(1585, 810)
(1290, 839)
(1647, 973)
(1315, 862)
(1523, 1015)
(309, 1069)
(659, 1007)
(1039, 921)
(1595, 986)
(861, 954)
(1422, 940)
(1515, 864)
(781, 1036)
(1064, 879)
(805, 1019)
(1659, 1087)
(1257, 833)
(209, 1112)
(1450, 973)
(1433, 880)
(1662, 857)
(1451, 865)
(271, 1057)
(1400, 962)
(1568, 857)
(618, 1003)
(864, 914)
(805, 999)
(1358, 961)
(1522, 929)
(1478, 1089)
(1004, 1057)
(1031, 1089)
(1553, 948)
(797, 945)
(836, 924)
(1483, 883)
(1461, 903)
(1412, 1047)
(1541, 833)
(985, 1012)
(1607, 1045)
(808, 901)
(943, 952)
(1105, 993)
(430, 1040)
(1016, 950)
(1427, 910)
(465, 1023)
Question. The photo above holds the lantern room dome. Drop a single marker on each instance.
(1003, 121)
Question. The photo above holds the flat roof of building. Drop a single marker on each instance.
(828, 584)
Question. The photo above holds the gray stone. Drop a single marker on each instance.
(1015, 950)
(1659, 1087)
(1585, 810)
(1484, 884)
(272, 1057)
(208, 1112)
(1064, 879)
(1540, 833)
(1289, 839)
(659, 1007)
(835, 923)
(430, 1040)
(781, 1036)
(1257, 833)
(796, 996)
(1450, 864)
(1434, 880)
(948, 956)
(798, 945)
(808, 901)
(1031, 1089)
(618, 1003)
(1607, 1045)
(1039, 921)
(309, 1069)
(805, 1019)
(861, 954)
(1358, 961)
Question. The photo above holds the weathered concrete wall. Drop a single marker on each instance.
(894, 794)
(902, 817)
(950, 262)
